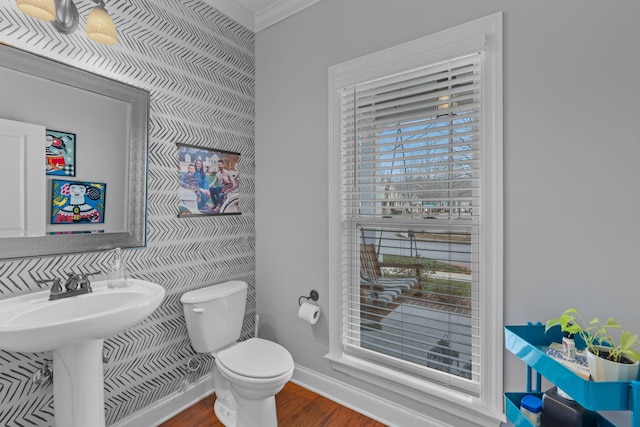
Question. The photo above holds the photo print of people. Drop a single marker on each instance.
(209, 181)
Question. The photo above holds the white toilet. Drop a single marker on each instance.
(255, 369)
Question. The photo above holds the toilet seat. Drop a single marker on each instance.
(256, 358)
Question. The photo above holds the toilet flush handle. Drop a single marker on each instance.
(198, 310)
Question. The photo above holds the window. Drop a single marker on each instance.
(416, 214)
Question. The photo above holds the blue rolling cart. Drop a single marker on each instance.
(529, 343)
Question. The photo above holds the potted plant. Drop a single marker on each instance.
(609, 359)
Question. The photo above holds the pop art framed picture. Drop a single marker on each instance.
(77, 202)
(60, 153)
(209, 181)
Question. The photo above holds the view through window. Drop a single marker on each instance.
(411, 178)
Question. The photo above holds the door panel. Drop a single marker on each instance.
(22, 198)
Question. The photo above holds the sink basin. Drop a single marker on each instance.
(75, 329)
(32, 323)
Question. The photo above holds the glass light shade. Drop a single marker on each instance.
(40, 9)
(100, 27)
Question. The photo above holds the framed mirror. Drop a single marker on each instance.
(94, 139)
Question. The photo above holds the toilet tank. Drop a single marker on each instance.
(214, 315)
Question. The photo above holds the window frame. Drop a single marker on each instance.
(447, 44)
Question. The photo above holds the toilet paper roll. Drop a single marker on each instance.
(309, 313)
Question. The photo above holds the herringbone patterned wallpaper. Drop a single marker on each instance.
(199, 68)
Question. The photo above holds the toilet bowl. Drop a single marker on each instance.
(256, 369)
(247, 375)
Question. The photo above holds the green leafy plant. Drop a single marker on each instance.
(597, 335)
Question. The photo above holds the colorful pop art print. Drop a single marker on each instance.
(209, 181)
(77, 202)
(60, 153)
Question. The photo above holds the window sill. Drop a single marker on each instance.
(438, 398)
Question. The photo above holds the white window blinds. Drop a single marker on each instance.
(411, 144)
(410, 211)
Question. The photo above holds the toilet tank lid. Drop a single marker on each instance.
(214, 291)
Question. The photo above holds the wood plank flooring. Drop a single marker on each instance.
(296, 407)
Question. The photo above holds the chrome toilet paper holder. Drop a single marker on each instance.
(313, 296)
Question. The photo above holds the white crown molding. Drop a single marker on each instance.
(264, 18)
(280, 10)
(235, 11)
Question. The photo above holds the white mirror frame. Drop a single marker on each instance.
(138, 100)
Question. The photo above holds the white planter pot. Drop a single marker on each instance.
(606, 370)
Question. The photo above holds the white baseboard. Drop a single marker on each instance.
(381, 410)
(170, 406)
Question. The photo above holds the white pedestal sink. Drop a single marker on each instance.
(75, 328)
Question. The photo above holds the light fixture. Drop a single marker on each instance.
(443, 106)
(100, 27)
(40, 9)
(446, 105)
(63, 14)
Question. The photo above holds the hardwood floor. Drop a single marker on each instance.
(297, 407)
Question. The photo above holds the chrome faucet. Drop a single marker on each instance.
(76, 284)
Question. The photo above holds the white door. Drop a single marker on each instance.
(22, 197)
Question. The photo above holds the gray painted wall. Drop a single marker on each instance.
(199, 68)
(571, 106)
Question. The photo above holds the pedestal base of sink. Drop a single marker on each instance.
(78, 385)
(75, 329)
